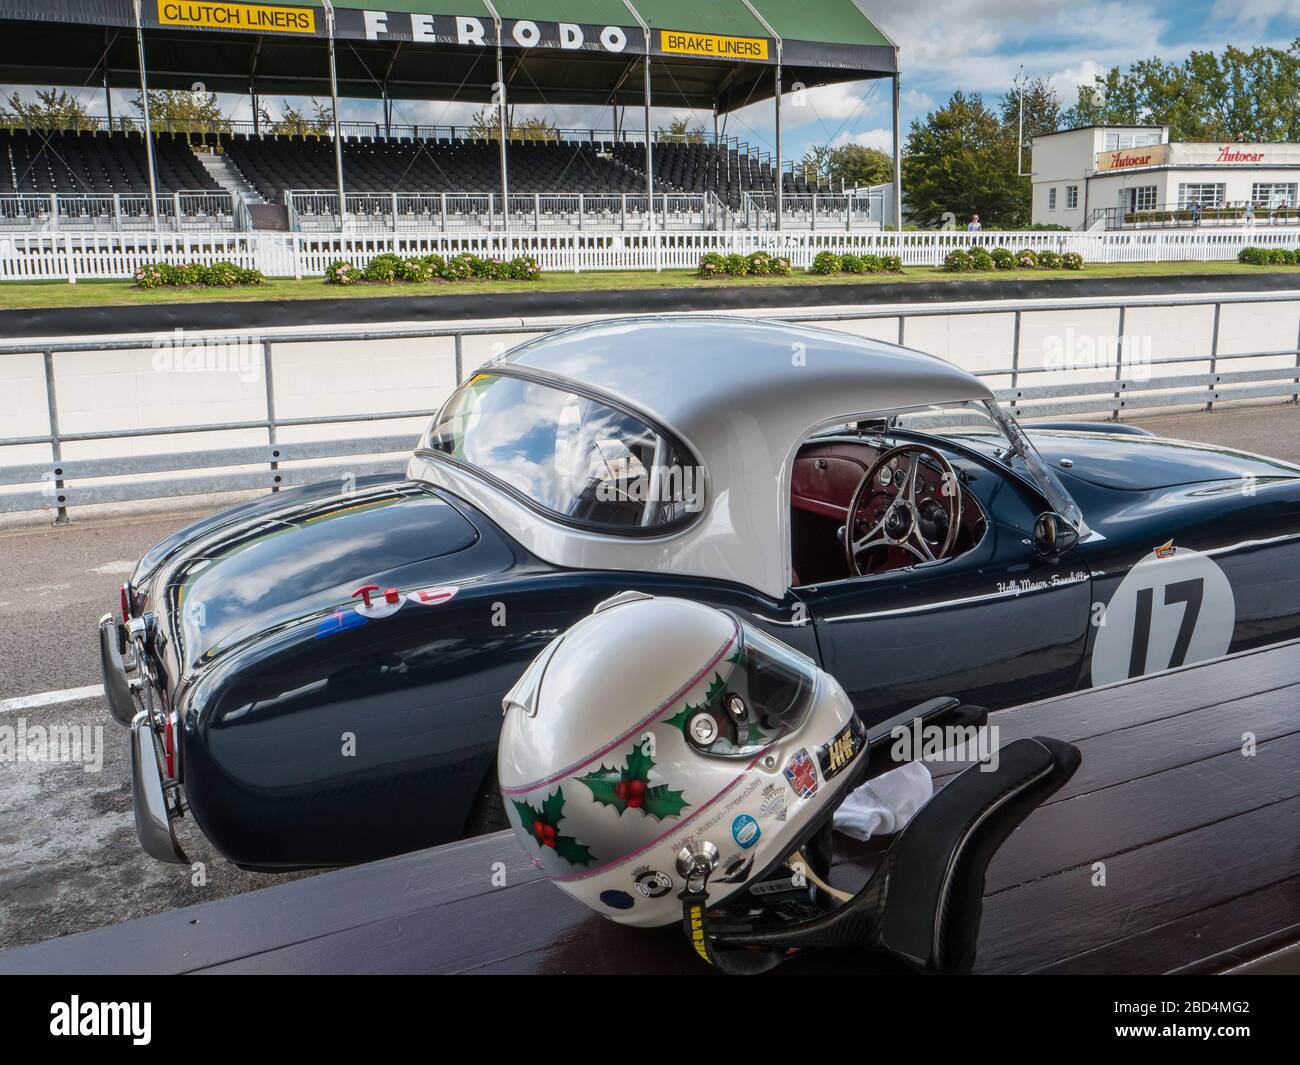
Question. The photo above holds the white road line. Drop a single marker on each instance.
(123, 566)
(67, 695)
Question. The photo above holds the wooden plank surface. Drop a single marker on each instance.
(1197, 831)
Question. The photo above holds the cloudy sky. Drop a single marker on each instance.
(969, 44)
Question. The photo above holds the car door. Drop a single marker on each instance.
(996, 626)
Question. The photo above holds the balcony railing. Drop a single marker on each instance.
(117, 211)
(1165, 215)
(316, 210)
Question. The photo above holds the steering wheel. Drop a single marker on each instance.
(923, 522)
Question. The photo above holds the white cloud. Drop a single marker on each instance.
(1255, 12)
(869, 138)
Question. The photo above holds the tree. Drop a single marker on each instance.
(486, 126)
(857, 165)
(1206, 97)
(52, 109)
(184, 111)
(680, 131)
(961, 161)
(294, 122)
(1042, 108)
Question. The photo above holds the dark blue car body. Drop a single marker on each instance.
(310, 734)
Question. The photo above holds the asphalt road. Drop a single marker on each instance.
(69, 859)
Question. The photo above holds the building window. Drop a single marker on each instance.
(1115, 141)
(1051, 198)
(1071, 197)
(1144, 198)
(1273, 194)
(1204, 193)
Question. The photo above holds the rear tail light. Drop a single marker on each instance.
(169, 747)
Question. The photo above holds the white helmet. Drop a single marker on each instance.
(658, 739)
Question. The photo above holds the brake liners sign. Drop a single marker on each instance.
(260, 18)
(710, 46)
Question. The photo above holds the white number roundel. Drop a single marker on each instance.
(1167, 612)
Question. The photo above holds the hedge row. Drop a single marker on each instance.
(756, 264)
(390, 268)
(1269, 256)
(828, 262)
(981, 259)
(222, 274)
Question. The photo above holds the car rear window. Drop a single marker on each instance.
(573, 456)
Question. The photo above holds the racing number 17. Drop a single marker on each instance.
(1190, 594)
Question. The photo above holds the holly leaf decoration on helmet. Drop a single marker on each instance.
(543, 826)
(629, 788)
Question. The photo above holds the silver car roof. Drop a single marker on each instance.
(742, 396)
(687, 370)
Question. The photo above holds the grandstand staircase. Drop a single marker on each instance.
(261, 215)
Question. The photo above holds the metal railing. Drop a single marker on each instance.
(1166, 215)
(60, 483)
(855, 209)
(80, 255)
(116, 212)
(316, 211)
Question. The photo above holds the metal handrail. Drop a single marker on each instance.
(1110, 397)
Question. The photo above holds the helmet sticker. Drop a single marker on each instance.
(773, 804)
(617, 900)
(651, 883)
(802, 774)
(634, 788)
(745, 831)
(834, 756)
(543, 827)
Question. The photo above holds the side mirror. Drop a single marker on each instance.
(1053, 535)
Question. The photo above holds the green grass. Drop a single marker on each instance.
(53, 294)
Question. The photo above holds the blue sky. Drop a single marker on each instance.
(969, 44)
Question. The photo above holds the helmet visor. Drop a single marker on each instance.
(766, 693)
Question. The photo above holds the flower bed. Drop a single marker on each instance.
(391, 269)
(981, 260)
(217, 275)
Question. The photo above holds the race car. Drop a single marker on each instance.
(316, 676)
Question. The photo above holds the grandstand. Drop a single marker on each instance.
(77, 179)
(628, 55)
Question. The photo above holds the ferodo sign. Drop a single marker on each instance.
(260, 18)
(462, 30)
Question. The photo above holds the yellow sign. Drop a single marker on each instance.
(259, 18)
(711, 47)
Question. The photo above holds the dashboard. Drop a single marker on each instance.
(825, 475)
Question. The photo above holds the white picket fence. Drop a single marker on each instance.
(84, 256)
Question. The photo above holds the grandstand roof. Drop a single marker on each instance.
(559, 51)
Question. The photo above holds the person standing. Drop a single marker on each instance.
(974, 226)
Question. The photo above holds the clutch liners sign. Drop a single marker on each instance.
(260, 18)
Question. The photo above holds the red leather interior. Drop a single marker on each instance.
(822, 483)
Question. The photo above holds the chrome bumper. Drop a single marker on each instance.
(153, 814)
(156, 801)
(117, 689)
